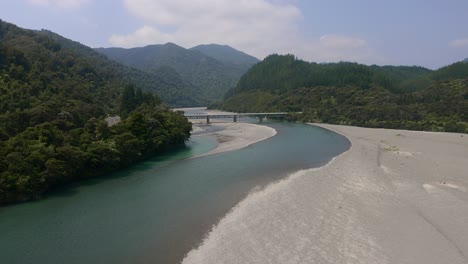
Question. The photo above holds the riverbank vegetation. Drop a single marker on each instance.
(353, 94)
(53, 105)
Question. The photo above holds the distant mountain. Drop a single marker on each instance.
(212, 77)
(465, 60)
(227, 54)
(354, 94)
(171, 88)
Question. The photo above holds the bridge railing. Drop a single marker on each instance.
(235, 116)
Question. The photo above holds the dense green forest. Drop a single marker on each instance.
(53, 103)
(353, 94)
(170, 86)
(210, 69)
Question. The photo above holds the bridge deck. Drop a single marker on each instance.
(236, 115)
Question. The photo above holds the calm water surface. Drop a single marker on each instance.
(157, 211)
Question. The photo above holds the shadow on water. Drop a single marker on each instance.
(193, 147)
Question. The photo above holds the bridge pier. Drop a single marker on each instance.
(207, 119)
(235, 118)
(261, 118)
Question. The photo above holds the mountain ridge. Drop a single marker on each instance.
(175, 92)
(210, 76)
(226, 54)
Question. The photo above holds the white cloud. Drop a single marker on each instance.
(258, 27)
(143, 36)
(66, 4)
(459, 43)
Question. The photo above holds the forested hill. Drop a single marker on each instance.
(354, 94)
(227, 55)
(166, 83)
(54, 99)
(199, 66)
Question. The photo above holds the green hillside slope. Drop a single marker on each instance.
(354, 94)
(53, 101)
(171, 88)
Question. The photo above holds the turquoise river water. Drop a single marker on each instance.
(157, 211)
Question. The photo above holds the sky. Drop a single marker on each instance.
(429, 33)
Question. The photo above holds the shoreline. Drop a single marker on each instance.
(395, 196)
(233, 136)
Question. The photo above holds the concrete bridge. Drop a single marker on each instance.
(235, 116)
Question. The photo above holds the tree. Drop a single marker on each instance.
(127, 102)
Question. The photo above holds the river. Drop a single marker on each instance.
(156, 211)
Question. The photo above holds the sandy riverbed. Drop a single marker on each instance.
(236, 135)
(230, 135)
(395, 197)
